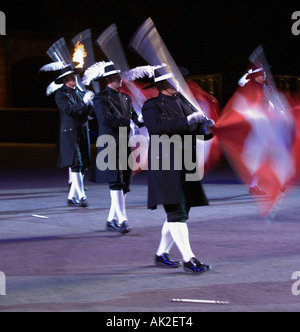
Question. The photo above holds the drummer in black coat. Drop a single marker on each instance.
(74, 142)
(170, 114)
(116, 118)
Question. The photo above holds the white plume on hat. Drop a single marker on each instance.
(61, 57)
(58, 65)
(140, 72)
(95, 71)
(52, 88)
(53, 66)
(98, 70)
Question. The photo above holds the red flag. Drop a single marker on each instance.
(211, 108)
(208, 103)
(294, 101)
(256, 136)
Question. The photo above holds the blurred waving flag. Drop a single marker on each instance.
(256, 131)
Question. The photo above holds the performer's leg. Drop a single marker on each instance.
(180, 234)
(166, 241)
(112, 212)
(77, 185)
(73, 195)
(177, 216)
(162, 257)
(170, 233)
(70, 180)
(72, 191)
(77, 195)
(118, 198)
(118, 203)
(126, 178)
(112, 219)
(122, 187)
(124, 207)
(83, 159)
(77, 188)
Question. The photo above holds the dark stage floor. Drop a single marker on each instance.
(57, 258)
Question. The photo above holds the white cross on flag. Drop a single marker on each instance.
(255, 131)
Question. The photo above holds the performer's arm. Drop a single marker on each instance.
(158, 124)
(65, 104)
(108, 117)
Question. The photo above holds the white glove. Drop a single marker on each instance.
(134, 129)
(243, 80)
(196, 117)
(88, 98)
(140, 118)
(207, 125)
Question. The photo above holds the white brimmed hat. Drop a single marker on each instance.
(159, 75)
(99, 70)
(68, 70)
(110, 69)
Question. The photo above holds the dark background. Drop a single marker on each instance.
(205, 36)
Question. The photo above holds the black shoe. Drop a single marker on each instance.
(195, 266)
(113, 226)
(82, 202)
(124, 228)
(166, 261)
(73, 202)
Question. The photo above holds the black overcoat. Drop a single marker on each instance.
(113, 110)
(73, 114)
(165, 115)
